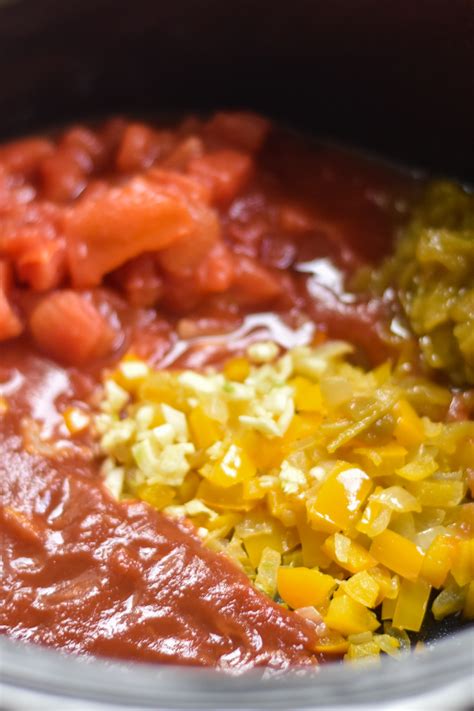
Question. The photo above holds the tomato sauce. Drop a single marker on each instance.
(181, 245)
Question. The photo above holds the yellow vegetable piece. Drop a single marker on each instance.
(131, 373)
(204, 430)
(388, 608)
(357, 557)
(311, 544)
(332, 643)
(301, 427)
(284, 510)
(267, 572)
(375, 518)
(263, 451)
(234, 467)
(463, 565)
(408, 430)
(230, 498)
(438, 494)
(350, 617)
(411, 605)
(366, 650)
(450, 600)
(339, 498)
(363, 588)
(303, 587)
(159, 387)
(256, 544)
(385, 458)
(157, 495)
(388, 585)
(237, 369)
(468, 610)
(223, 524)
(75, 419)
(438, 560)
(307, 395)
(397, 553)
(418, 469)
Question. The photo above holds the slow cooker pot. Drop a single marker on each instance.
(394, 79)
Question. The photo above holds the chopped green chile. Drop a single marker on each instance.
(432, 270)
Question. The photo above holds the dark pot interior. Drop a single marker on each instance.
(396, 78)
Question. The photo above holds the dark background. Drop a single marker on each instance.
(395, 76)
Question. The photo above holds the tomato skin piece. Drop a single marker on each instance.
(141, 146)
(10, 323)
(226, 172)
(216, 272)
(64, 174)
(105, 230)
(25, 155)
(68, 327)
(140, 282)
(87, 142)
(253, 283)
(240, 129)
(43, 266)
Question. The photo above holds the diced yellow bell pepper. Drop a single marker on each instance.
(438, 560)
(397, 553)
(409, 430)
(131, 373)
(437, 494)
(388, 608)
(219, 498)
(332, 644)
(307, 396)
(468, 610)
(157, 495)
(237, 369)
(189, 487)
(363, 588)
(265, 453)
(338, 499)
(385, 458)
(301, 427)
(224, 523)
(158, 387)
(233, 468)
(204, 430)
(350, 617)
(388, 585)
(358, 557)
(463, 565)
(75, 419)
(256, 544)
(411, 605)
(311, 544)
(303, 587)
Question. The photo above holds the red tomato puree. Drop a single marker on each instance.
(129, 236)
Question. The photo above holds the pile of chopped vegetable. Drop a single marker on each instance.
(342, 493)
(432, 270)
